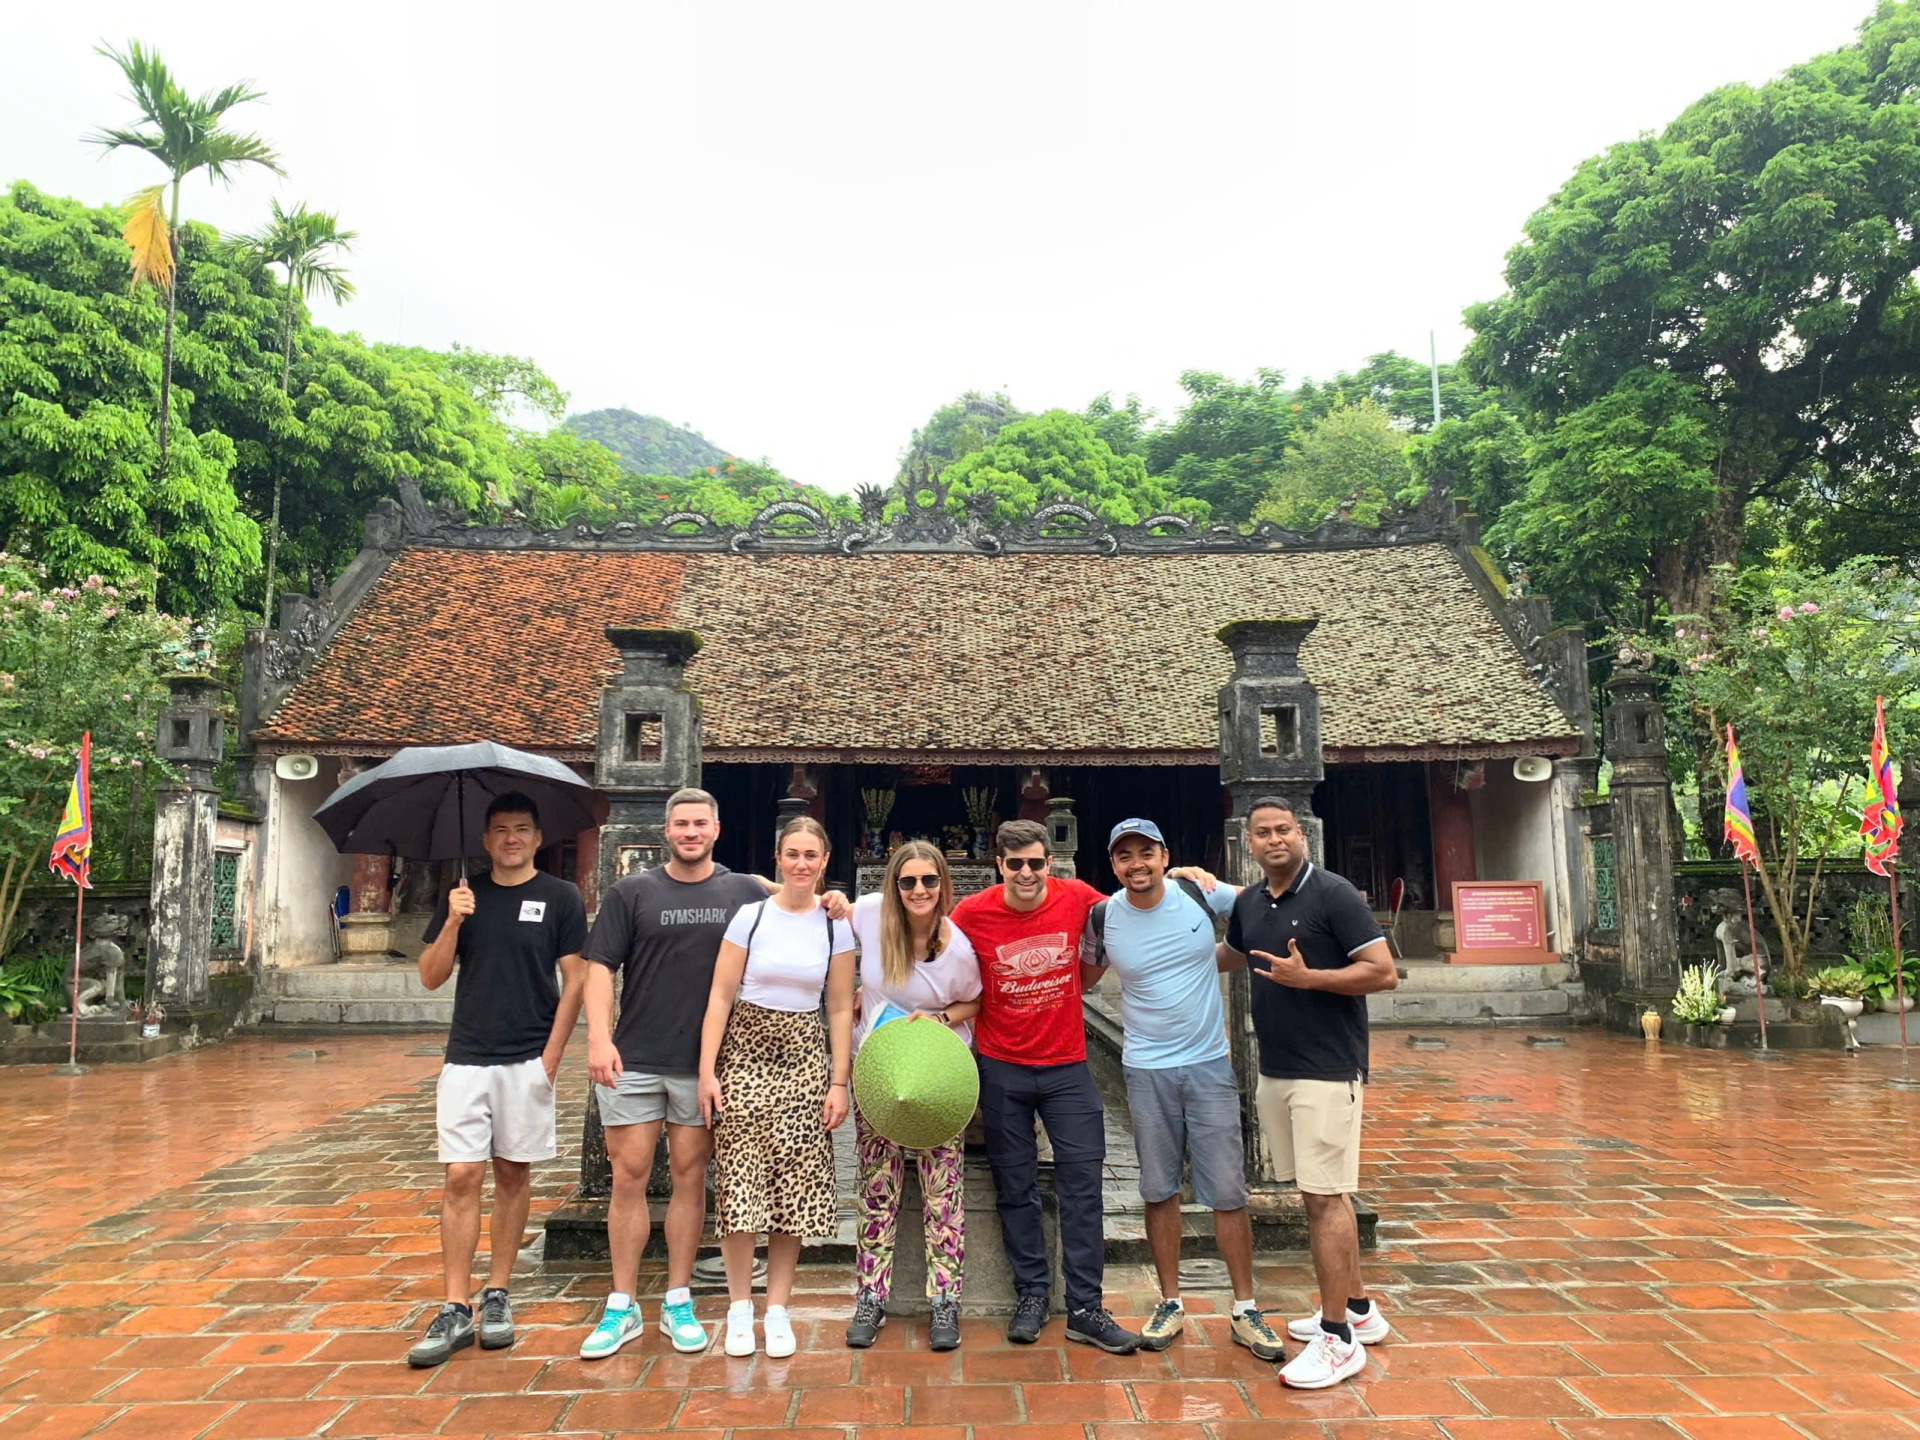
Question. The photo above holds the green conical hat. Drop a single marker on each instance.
(916, 1083)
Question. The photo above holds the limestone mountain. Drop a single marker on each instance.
(646, 443)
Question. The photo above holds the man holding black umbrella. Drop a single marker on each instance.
(508, 930)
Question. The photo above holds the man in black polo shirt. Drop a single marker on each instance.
(1315, 953)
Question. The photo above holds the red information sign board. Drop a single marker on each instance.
(1500, 922)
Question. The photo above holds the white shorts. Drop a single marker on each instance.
(1313, 1129)
(496, 1111)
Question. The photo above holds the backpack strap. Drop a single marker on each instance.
(759, 910)
(1097, 928)
(1194, 893)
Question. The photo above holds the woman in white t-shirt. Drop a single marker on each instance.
(772, 1085)
(915, 968)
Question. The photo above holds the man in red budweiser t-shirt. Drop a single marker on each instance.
(1033, 1061)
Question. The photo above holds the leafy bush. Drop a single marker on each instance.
(32, 990)
(1842, 982)
(1697, 1001)
(1876, 972)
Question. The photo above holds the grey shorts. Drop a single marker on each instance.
(1189, 1110)
(637, 1097)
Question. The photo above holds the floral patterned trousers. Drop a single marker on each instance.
(883, 1171)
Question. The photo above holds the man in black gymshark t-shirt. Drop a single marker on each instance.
(509, 930)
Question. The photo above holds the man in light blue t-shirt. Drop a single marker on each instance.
(1158, 938)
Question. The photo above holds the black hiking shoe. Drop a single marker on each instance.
(451, 1330)
(1096, 1327)
(943, 1325)
(1029, 1314)
(869, 1314)
(496, 1320)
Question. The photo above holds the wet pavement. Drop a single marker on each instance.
(1598, 1239)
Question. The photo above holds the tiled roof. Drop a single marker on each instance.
(961, 655)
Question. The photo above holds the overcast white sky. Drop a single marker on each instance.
(800, 227)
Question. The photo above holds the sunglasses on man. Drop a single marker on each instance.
(1017, 863)
(920, 882)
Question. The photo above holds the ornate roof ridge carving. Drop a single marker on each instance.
(796, 527)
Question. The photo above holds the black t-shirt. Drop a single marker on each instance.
(1306, 1034)
(662, 936)
(508, 949)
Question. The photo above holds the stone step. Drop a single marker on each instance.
(1399, 1007)
(351, 982)
(431, 1011)
(1422, 977)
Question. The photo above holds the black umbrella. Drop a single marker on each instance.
(429, 802)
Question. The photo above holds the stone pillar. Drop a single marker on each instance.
(1063, 835)
(1269, 745)
(186, 811)
(1643, 838)
(649, 747)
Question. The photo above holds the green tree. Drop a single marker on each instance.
(1400, 386)
(75, 658)
(1352, 464)
(1484, 457)
(79, 485)
(1760, 252)
(1794, 660)
(304, 242)
(185, 134)
(957, 430)
(1057, 456)
(1226, 444)
(1124, 427)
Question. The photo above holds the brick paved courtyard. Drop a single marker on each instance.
(1596, 1240)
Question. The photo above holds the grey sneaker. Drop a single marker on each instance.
(451, 1330)
(869, 1314)
(496, 1320)
(943, 1324)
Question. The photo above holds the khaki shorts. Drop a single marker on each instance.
(496, 1111)
(1313, 1129)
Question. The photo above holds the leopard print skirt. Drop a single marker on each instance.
(772, 1159)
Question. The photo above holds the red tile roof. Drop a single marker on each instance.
(939, 655)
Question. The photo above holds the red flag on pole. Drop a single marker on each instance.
(73, 845)
(1880, 820)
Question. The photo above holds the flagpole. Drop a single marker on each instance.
(73, 1065)
(1906, 1080)
(1759, 965)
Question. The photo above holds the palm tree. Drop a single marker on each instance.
(304, 241)
(184, 135)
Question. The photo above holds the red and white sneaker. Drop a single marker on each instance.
(1327, 1360)
(1369, 1329)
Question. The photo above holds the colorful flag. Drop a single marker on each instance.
(1739, 824)
(73, 846)
(1880, 821)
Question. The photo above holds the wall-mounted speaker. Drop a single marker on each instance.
(296, 767)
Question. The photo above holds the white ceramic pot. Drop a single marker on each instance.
(1726, 1015)
(1848, 1008)
(1894, 1007)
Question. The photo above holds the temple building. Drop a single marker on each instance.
(919, 674)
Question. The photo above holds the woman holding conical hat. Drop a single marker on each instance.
(915, 968)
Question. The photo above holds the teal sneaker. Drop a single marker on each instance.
(615, 1329)
(688, 1335)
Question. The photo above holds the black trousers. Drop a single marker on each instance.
(1068, 1103)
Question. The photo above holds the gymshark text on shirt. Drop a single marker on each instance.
(697, 915)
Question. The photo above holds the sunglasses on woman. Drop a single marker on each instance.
(1017, 863)
(923, 882)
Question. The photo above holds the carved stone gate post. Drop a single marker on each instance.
(191, 738)
(1641, 798)
(649, 747)
(1269, 745)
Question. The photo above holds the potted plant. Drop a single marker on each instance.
(1876, 971)
(1697, 1001)
(1843, 987)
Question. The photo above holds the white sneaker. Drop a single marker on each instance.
(1327, 1360)
(779, 1332)
(740, 1330)
(1369, 1329)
